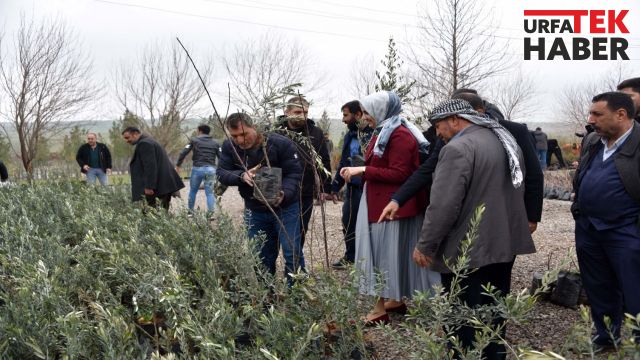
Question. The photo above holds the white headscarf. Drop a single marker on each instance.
(385, 107)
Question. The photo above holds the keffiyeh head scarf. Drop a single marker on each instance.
(461, 108)
(385, 107)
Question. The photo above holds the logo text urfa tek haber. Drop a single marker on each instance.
(610, 46)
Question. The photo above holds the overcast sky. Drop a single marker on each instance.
(336, 33)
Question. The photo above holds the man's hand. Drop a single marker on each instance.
(420, 259)
(327, 197)
(279, 199)
(247, 176)
(389, 211)
(532, 226)
(348, 172)
(85, 167)
(108, 171)
(149, 192)
(178, 169)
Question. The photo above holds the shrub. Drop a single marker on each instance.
(86, 274)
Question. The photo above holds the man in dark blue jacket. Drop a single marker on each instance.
(278, 220)
(606, 208)
(351, 156)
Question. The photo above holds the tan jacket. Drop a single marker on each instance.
(472, 170)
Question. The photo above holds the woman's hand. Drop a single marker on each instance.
(348, 172)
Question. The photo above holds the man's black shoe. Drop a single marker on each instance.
(600, 345)
(341, 264)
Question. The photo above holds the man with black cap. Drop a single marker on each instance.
(295, 121)
(478, 166)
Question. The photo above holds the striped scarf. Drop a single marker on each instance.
(463, 109)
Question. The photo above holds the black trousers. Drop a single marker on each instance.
(350, 207)
(165, 200)
(499, 275)
(558, 153)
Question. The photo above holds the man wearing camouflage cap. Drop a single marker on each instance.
(479, 165)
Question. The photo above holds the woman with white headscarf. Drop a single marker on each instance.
(383, 249)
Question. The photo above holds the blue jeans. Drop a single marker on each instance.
(94, 173)
(306, 209)
(199, 174)
(542, 157)
(286, 235)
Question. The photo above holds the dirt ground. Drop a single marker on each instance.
(554, 239)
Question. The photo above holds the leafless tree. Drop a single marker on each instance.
(457, 48)
(162, 88)
(262, 72)
(363, 76)
(575, 99)
(514, 94)
(45, 79)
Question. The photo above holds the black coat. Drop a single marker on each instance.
(4, 174)
(151, 168)
(281, 152)
(104, 156)
(533, 178)
(317, 140)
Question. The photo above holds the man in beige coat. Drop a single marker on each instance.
(480, 164)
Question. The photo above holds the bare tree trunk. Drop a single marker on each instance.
(263, 72)
(46, 80)
(515, 95)
(575, 99)
(457, 49)
(163, 91)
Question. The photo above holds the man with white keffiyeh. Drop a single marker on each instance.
(479, 165)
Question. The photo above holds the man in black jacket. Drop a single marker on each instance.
(279, 220)
(296, 121)
(351, 155)
(94, 159)
(152, 173)
(4, 174)
(205, 152)
(533, 178)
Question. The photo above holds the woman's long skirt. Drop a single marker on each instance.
(384, 256)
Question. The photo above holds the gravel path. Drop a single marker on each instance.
(554, 241)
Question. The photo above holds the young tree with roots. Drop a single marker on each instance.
(44, 80)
